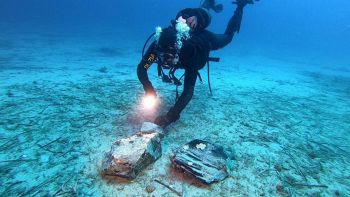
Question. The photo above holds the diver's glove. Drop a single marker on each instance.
(165, 120)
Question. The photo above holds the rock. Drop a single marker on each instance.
(150, 188)
(336, 193)
(279, 188)
(203, 160)
(151, 127)
(130, 156)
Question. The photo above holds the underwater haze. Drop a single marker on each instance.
(69, 89)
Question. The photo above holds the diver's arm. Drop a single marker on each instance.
(142, 68)
(186, 96)
(187, 93)
(234, 24)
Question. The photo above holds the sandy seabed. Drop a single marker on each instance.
(65, 101)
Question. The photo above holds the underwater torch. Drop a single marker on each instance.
(149, 102)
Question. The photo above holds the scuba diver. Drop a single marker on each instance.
(186, 44)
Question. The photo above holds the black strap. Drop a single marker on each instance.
(160, 70)
(210, 59)
(177, 91)
(199, 76)
(211, 93)
(144, 46)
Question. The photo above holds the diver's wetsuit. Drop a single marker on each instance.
(193, 55)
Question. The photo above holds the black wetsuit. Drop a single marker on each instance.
(195, 53)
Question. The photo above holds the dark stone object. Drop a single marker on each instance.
(203, 160)
(129, 156)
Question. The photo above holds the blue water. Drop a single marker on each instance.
(305, 29)
(281, 97)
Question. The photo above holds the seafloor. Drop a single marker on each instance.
(65, 100)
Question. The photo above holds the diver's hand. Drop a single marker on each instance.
(162, 121)
(165, 120)
(149, 91)
(192, 22)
